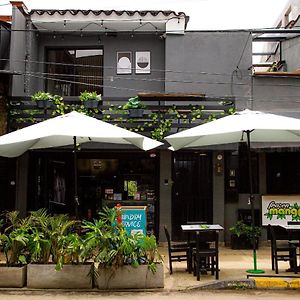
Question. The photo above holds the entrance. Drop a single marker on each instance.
(192, 190)
(7, 183)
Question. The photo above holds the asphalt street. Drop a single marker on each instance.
(191, 295)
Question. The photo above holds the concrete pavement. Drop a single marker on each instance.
(233, 266)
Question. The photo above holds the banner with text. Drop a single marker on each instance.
(279, 209)
(134, 218)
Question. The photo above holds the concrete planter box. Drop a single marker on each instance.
(127, 277)
(12, 276)
(70, 277)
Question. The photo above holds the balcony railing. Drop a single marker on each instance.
(164, 113)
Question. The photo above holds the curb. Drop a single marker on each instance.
(276, 283)
(226, 284)
(255, 283)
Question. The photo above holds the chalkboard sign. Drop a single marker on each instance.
(134, 218)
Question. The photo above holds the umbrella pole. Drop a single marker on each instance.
(76, 201)
(254, 270)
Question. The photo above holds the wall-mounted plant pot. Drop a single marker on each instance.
(91, 103)
(136, 113)
(43, 103)
(128, 277)
(44, 276)
(13, 276)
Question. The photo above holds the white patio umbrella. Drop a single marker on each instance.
(72, 128)
(59, 131)
(262, 129)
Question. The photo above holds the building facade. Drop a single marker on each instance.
(121, 54)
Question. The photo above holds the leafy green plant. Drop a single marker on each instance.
(14, 238)
(53, 239)
(134, 103)
(41, 95)
(112, 246)
(39, 242)
(84, 96)
(242, 229)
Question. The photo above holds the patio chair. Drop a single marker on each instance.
(207, 258)
(177, 251)
(281, 252)
(294, 236)
(192, 241)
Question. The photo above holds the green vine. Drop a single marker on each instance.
(159, 123)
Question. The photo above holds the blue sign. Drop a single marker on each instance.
(134, 219)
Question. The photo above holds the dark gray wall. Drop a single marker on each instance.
(165, 195)
(17, 51)
(218, 193)
(116, 85)
(291, 53)
(276, 94)
(4, 45)
(207, 63)
(131, 84)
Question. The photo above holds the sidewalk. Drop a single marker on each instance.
(233, 266)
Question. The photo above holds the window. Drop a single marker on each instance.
(72, 71)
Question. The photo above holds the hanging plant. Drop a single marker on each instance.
(42, 99)
(135, 107)
(90, 99)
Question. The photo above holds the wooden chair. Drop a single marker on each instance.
(192, 242)
(294, 236)
(177, 251)
(207, 258)
(281, 252)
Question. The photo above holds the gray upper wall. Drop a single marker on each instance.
(4, 46)
(291, 54)
(134, 83)
(114, 85)
(206, 62)
(17, 51)
(277, 94)
(214, 63)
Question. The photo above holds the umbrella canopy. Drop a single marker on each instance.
(61, 130)
(264, 128)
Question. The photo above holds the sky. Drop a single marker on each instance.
(204, 14)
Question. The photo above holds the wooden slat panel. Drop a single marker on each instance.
(25, 112)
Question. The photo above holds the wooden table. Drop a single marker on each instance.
(197, 228)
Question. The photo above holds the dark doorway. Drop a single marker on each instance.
(192, 190)
(283, 173)
(7, 183)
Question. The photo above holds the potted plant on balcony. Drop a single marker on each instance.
(90, 99)
(135, 107)
(42, 99)
(122, 260)
(13, 240)
(242, 235)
